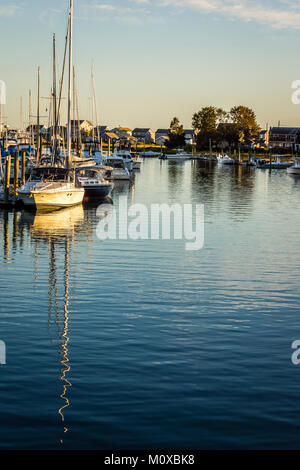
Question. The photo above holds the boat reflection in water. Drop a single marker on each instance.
(59, 230)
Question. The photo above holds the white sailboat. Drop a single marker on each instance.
(52, 187)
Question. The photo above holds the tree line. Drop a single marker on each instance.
(218, 128)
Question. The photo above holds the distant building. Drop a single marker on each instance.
(263, 138)
(145, 135)
(161, 135)
(101, 130)
(284, 137)
(84, 125)
(122, 132)
(189, 135)
(110, 136)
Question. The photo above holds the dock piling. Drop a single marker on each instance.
(7, 178)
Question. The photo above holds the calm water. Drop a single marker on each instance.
(141, 344)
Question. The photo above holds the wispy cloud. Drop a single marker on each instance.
(9, 10)
(275, 13)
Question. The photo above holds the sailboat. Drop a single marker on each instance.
(53, 187)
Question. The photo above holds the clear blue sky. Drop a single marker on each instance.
(155, 59)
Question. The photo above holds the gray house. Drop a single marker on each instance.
(145, 135)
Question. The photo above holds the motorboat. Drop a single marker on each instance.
(127, 157)
(295, 169)
(94, 184)
(149, 153)
(180, 155)
(225, 159)
(116, 169)
(280, 163)
(51, 188)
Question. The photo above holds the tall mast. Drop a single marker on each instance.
(70, 86)
(38, 117)
(30, 117)
(54, 98)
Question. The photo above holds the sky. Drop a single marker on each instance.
(156, 59)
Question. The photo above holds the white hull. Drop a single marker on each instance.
(294, 170)
(52, 199)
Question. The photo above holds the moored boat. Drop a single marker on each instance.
(295, 169)
(94, 184)
(225, 160)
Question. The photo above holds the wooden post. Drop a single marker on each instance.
(23, 168)
(109, 147)
(16, 172)
(7, 178)
(101, 145)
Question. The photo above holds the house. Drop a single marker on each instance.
(263, 138)
(61, 133)
(110, 136)
(85, 126)
(145, 135)
(189, 135)
(161, 135)
(101, 130)
(122, 132)
(284, 137)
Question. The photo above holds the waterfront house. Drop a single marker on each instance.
(161, 135)
(284, 137)
(84, 125)
(189, 135)
(122, 132)
(263, 138)
(145, 135)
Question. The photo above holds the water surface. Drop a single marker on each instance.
(141, 344)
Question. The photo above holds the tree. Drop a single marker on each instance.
(176, 135)
(245, 122)
(206, 122)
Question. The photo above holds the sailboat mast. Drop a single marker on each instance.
(70, 86)
(38, 118)
(54, 98)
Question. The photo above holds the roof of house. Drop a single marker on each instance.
(284, 130)
(163, 131)
(124, 129)
(111, 135)
(140, 130)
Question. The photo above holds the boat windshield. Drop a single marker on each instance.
(50, 174)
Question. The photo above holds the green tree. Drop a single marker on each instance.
(245, 122)
(176, 135)
(205, 123)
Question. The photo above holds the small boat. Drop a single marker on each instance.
(280, 163)
(180, 155)
(117, 169)
(94, 184)
(225, 159)
(295, 169)
(149, 153)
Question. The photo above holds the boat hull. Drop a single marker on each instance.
(97, 192)
(42, 200)
(293, 171)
